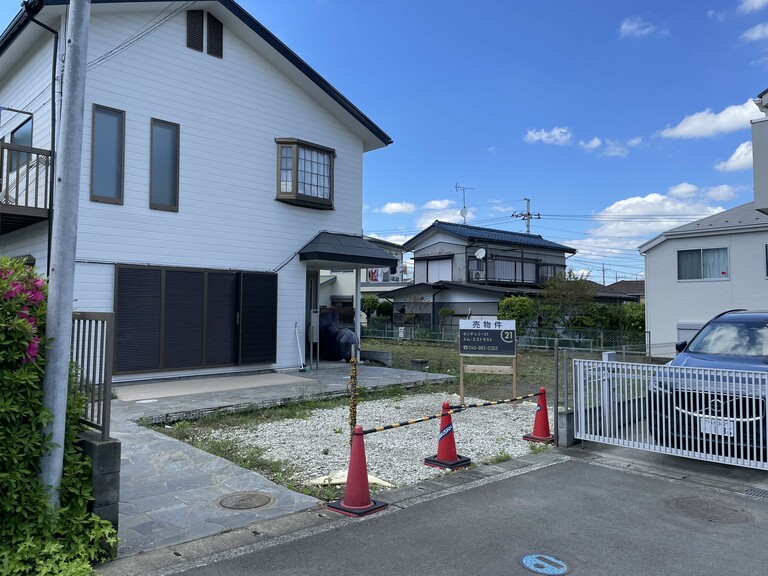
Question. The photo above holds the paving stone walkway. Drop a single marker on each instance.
(171, 492)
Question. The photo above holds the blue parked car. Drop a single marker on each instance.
(720, 412)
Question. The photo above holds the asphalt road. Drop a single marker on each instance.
(595, 519)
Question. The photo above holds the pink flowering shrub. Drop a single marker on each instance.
(22, 314)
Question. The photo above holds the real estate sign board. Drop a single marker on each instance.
(487, 337)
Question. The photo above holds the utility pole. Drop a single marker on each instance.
(527, 215)
(61, 280)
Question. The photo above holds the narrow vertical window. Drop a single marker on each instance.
(195, 30)
(107, 155)
(23, 137)
(164, 166)
(215, 37)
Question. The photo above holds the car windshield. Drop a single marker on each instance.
(732, 339)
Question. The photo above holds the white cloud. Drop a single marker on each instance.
(629, 222)
(439, 204)
(708, 123)
(683, 190)
(448, 215)
(558, 136)
(615, 149)
(635, 142)
(591, 145)
(635, 27)
(492, 150)
(741, 159)
(396, 208)
(747, 6)
(395, 238)
(756, 33)
(721, 193)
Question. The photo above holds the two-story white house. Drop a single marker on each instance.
(220, 174)
(697, 270)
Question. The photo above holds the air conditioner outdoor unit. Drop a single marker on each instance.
(478, 275)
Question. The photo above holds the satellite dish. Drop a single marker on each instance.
(480, 254)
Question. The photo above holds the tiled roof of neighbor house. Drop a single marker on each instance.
(494, 236)
(740, 219)
(630, 287)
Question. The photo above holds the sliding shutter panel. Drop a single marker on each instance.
(183, 333)
(221, 319)
(137, 319)
(258, 318)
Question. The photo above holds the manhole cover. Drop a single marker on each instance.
(246, 500)
(544, 564)
(711, 510)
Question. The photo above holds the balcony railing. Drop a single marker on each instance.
(24, 177)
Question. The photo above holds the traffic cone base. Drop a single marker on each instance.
(357, 495)
(541, 422)
(462, 462)
(338, 506)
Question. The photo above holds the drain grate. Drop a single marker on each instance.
(246, 500)
(711, 510)
(757, 493)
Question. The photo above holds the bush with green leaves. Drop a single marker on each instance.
(368, 305)
(34, 537)
(384, 309)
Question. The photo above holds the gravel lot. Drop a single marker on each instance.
(319, 445)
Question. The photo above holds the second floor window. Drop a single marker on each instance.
(107, 155)
(704, 264)
(164, 166)
(305, 174)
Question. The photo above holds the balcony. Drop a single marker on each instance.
(24, 186)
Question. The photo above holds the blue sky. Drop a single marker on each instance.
(618, 120)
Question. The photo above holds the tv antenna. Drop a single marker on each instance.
(463, 190)
(527, 215)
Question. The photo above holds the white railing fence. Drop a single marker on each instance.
(714, 415)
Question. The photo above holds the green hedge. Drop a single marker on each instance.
(34, 538)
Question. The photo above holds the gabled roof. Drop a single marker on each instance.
(280, 55)
(488, 235)
(737, 220)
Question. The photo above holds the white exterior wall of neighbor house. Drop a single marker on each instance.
(674, 308)
(229, 112)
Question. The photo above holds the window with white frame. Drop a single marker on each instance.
(702, 264)
(305, 174)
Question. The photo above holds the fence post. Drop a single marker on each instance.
(557, 393)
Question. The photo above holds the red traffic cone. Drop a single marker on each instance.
(357, 496)
(541, 422)
(446, 456)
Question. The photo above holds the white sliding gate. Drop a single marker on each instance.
(715, 415)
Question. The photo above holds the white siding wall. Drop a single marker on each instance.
(669, 301)
(230, 111)
(30, 240)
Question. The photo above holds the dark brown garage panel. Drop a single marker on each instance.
(258, 318)
(137, 319)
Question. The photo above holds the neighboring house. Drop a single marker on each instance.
(338, 285)
(469, 268)
(633, 288)
(220, 174)
(700, 269)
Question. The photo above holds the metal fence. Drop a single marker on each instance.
(587, 340)
(92, 349)
(707, 414)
